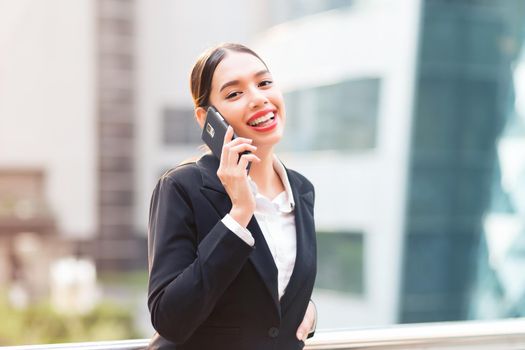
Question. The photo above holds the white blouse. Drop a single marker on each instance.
(277, 222)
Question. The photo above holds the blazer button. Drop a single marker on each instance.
(273, 332)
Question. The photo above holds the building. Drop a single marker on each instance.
(394, 112)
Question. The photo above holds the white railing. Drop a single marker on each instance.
(472, 335)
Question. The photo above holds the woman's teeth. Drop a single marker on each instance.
(261, 120)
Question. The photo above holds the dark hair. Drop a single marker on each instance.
(202, 72)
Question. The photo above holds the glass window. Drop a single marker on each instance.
(341, 116)
(340, 262)
(180, 127)
(464, 238)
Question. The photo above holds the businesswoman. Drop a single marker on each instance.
(232, 256)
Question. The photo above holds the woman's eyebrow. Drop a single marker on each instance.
(230, 83)
(235, 82)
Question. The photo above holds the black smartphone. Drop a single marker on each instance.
(214, 131)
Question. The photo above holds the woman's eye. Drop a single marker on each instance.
(265, 83)
(232, 94)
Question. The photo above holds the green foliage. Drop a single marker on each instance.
(40, 324)
(137, 279)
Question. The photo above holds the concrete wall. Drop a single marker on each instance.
(47, 102)
(365, 191)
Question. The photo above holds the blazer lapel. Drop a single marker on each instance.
(262, 259)
(261, 256)
(305, 233)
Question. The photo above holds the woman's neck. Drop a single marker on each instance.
(263, 174)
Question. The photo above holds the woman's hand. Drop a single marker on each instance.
(308, 322)
(233, 175)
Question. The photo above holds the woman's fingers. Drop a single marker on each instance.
(304, 327)
(242, 147)
(308, 322)
(227, 139)
(245, 158)
(236, 155)
(231, 150)
(233, 175)
(229, 135)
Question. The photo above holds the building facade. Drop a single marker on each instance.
(404, 114)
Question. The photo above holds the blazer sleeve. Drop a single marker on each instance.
(186, 278)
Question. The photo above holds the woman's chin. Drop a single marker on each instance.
(264, 139)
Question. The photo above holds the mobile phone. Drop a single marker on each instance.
(214, 131)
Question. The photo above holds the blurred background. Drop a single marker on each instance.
(407, 115)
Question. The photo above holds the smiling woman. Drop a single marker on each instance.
(243, 90)
(232, 256)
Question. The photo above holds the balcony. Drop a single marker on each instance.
(479, 335)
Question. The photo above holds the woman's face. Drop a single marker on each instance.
(244, 93)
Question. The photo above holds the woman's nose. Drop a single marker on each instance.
(257, 99)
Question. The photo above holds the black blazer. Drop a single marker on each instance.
(208, 289)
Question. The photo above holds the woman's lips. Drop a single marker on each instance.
(261, 114)
(267, 126)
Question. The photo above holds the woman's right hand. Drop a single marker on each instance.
(234, 177)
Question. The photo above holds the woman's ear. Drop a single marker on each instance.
(200, 115)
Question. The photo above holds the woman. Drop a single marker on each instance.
(232, 256)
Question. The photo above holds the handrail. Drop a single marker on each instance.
(506, 334)
(499, 335)
(135, 344)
